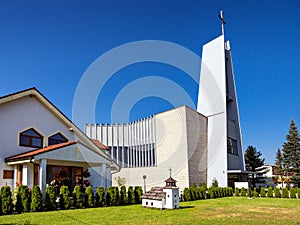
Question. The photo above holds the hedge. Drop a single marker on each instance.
(277, 192)
(6, 200)
(37, 199)
(50, 198)
(256, 195)
(130, 195)
(292, 193)
(285, 193)
(23, 199)
(64, 197)
(89, 197)
(78, 197)
(262, 192)
(100, 196)
(270, 192)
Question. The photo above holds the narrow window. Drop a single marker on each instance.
(30, 138)
(56, 139)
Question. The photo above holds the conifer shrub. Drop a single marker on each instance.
(50, 198)
(100, 196)
(23, 199)
(6, 200)
(117, 196)
(285, 193)
(186, 194)
(36, 199)
(64, 197)
(249, 192)
(89, 197)
(292, 193)
(130, 195)
(123, 197)
(262, 192)
(192, 193)
(78, 197)
(211, 192)
(243, 192)
(109, 196)
(277, 192)
(236, 192)
(256, 195)
(298, 192)
(137, 194)
(270, 192)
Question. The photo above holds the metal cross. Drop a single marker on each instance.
(170, 171)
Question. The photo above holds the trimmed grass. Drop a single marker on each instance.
(230, 210)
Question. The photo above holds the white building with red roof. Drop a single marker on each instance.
(39, 144)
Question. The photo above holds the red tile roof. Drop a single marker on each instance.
(39, 151)
(100, 145)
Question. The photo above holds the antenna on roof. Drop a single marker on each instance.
(223, 21)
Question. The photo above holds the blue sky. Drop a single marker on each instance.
(50, 44)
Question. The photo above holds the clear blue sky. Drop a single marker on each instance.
(50, 44)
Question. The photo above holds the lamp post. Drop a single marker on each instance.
(144, 177)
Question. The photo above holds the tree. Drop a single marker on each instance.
(120, 181)
(253, 160)
(291, 151)
(279, 164)
(36, 199)
(100, 196)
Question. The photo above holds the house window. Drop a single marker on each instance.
(232, 146)
(30, 138)
(151, 203)
(146, 203)
(56, 139)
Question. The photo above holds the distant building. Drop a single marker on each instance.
(162, 197)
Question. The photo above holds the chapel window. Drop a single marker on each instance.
(56, 139)
(31, 138)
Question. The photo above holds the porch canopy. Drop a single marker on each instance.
(40, 166)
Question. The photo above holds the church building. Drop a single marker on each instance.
(200, 144)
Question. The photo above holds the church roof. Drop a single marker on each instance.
(156, 193)
(170, 180)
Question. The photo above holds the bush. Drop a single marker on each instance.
(262, 192)
(100, 196)
(137, 194)
(64, 197)
(23, 199)
(37, 199)
(256, 195)
(123, 197)
(298, 191)
(109, 196)
(236, 192)
(130, 195)
(50, 198)
(211, 192)
(292, 193)
(285, 193)
(186, 194)
(243, 192)
(116, 197)
(276, 192)
(249, 192)
(270, 192)
(89, 197)
(6, 200)
(78, 197)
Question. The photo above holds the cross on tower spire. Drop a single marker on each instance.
(223, 21)
(170, 171)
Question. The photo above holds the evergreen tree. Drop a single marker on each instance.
(36, 199)
(278, 164)
(291, 151)
(253, 160)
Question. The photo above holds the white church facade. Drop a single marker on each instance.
(200, 145)
(39, 144)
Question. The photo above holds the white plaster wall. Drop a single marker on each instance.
(156, 203)
(212, 103)
(172, 198)
(171, 144)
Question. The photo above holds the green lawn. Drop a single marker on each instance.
(229, 210)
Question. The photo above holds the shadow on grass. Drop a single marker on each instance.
(187, 207)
